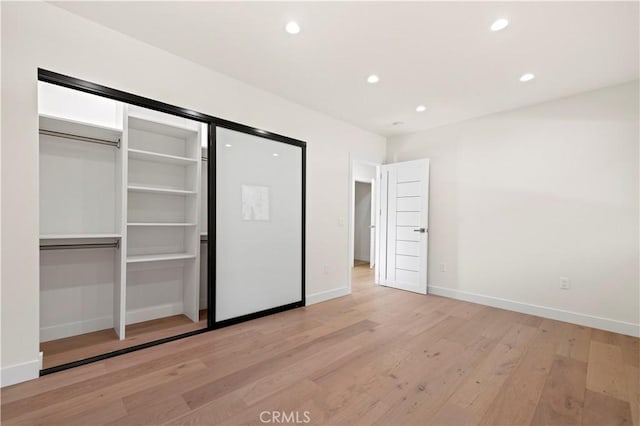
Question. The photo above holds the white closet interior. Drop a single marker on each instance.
(121, 214)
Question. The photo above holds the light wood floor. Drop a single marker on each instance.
(380, 356)
(75, 348)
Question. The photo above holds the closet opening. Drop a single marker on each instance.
(123, 223)
(136, 201)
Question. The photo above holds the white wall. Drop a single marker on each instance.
(42, 35)
(362, 221)
(522, 198)
(363, 172)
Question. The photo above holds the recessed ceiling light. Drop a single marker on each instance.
(527, 77)
(292, 27)
(421, 108)
(373, 79)
(275, 154)
(500, 24)
(398, 123)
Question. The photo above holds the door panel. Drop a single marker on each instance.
(372, 226)
(408, 219)
(408, 248)
(408, 189)
(408, 204)
(258, 224)
(404, 190)
(406, 234)
(408, 263)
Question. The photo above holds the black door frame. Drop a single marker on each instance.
(213, 123)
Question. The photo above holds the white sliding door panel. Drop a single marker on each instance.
(404, 225)
(258, 224)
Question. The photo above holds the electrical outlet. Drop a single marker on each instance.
(325, 269)
(443, 267)
(564, 283)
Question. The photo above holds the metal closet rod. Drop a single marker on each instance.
(63, 135)
(115, 244)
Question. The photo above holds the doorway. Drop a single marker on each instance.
(362, 223)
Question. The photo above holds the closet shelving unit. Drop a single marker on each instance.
(80, 224)
(162, 230)
(204, 236)
(120, 213)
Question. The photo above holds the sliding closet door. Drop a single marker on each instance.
(259, 211)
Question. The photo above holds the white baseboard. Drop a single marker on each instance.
(154, 312)
(18, 373)
(60, 331)
(615, 326)
(326, 295)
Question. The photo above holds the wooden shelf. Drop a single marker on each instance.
(154, 190)
(159, 257)
(160, 224)
(77, 236)
(138, 154)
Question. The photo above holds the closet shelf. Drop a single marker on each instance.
(138, 154)
(151, 124)
(77, 236)
(78, 128)
(160, 224)
(159, 257)
(154, 190)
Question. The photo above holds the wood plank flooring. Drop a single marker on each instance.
(75, 348)
(379, 356)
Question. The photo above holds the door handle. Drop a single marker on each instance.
(420, 230)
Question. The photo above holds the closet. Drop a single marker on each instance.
(122, 225)
(125, 221)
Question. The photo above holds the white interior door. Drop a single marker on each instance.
(404, 224)
(372, 226)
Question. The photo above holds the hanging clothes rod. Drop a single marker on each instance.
(63, 135)
(204, 240)
(115, 244)
(205, 158)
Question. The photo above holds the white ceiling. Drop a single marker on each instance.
(439, 54)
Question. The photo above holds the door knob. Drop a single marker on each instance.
(420, 230)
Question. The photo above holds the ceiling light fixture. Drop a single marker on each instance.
(373, 79)
(527, 77)
(275, 154)
(500, 24)
(228, 145)
(292, 27)
(421, 108)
